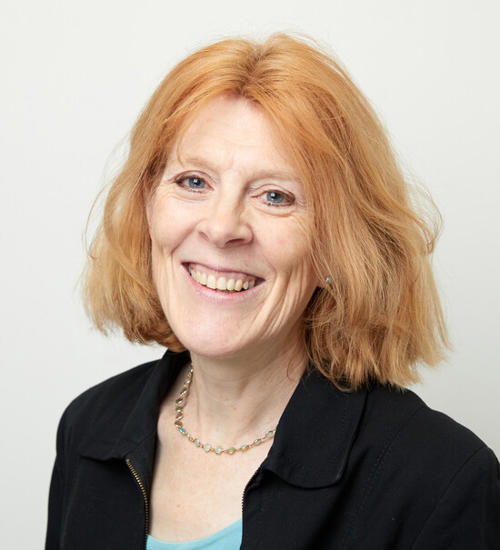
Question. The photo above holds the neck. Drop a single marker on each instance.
(235, 400)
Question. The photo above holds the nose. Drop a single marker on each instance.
(224, 222)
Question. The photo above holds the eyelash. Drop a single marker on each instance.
(288, 200)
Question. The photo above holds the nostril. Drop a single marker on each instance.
(225, 227)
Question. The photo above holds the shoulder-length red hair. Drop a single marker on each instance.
(381, 314)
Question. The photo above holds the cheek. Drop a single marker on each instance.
(165, 236)
(158, 272)
(167, 226)
(290, 250)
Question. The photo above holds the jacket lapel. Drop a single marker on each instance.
(133, 434)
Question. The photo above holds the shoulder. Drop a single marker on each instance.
(115, 393)
(102, 412)
(107, 403)
(415, 466)
(400, 418)
(414, 449)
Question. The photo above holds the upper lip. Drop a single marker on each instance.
(223, 269)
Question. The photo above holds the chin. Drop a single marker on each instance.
(213, 346)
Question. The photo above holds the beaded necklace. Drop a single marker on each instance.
(180, 403)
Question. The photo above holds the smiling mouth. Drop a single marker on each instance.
(229, 283)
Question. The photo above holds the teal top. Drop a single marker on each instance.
(228, 538)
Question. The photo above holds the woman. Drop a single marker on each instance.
(261, 230)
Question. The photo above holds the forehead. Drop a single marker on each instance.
(232, 130)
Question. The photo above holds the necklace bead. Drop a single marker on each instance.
(180, 403)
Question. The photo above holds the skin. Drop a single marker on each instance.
(228, 201)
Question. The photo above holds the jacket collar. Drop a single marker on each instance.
(315, 433)
(310, 448)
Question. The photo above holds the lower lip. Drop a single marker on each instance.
(221, 297)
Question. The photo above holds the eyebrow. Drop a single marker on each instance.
(258, 174)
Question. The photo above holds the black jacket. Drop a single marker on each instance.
(369, 470)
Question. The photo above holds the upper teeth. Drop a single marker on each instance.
(221, 283)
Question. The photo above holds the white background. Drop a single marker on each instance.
(74, 77)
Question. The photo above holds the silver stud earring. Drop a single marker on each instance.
(329, 280)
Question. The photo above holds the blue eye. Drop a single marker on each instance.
(194, 182)
(274, 197)
(191, 182)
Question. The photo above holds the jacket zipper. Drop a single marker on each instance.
(138, 479)
(250, 481)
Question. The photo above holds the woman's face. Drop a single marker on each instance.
(228, 227)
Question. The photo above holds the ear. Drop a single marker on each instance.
(325, 282)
